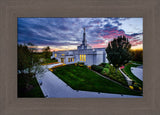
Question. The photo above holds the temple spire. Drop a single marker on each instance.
(84, 42)
(84, 30)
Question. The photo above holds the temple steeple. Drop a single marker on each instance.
(84, 42)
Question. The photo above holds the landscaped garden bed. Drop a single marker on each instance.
(81, 78)
(109, 71)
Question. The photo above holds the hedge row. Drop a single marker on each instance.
(97, 68)
(105, 65)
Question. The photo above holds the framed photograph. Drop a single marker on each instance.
(114, 42)
(80, 57)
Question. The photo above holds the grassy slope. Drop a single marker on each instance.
(127, 71)
(34, 92)
(81, 78)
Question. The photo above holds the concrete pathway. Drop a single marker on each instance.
(129, 81)
(52, 86)
(138, 72)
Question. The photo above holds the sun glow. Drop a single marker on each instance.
(138, 47)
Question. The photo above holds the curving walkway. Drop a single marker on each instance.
(138, 72)
(52, 86)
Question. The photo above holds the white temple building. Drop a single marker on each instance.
(84, 53)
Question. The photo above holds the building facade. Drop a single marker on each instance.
(84, 53)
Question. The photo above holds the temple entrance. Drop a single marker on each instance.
(62, 60)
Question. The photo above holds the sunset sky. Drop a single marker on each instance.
(67, 33)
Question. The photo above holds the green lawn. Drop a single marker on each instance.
(81, 78)
(127, 71)
(28, 87)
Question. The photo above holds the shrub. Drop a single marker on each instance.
(131, 87)
(136, 86)
(102, 64)
(106, 70)
(122, 67)
(140, 88)
(97, 68)
(50, 69)
(112, 70)
(89, 67)
(80, 63)
(106, 65)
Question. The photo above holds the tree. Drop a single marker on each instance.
(28, 61)
(24, 61)
(46, 52)
(118, 52)
(28, 66)
(137, 55)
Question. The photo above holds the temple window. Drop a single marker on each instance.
(55, 55)
(82, 57)
(68, 59)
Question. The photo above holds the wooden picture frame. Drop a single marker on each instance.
(11, 9)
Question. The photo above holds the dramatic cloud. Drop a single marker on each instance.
(67, 33)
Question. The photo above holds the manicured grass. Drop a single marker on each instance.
(28, 87)
(81, 78)
(127, 71)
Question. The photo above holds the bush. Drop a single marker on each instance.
(80, 63)
(140, 88)
(106, 70)
(110, 72)
(136, 86)
(131, 87)
(102, 64)
(97, 68)
(106, 65)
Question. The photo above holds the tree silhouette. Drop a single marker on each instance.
(24, 60)
(28, 61)
(137, 55)
(118, 52)
(46, 52)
